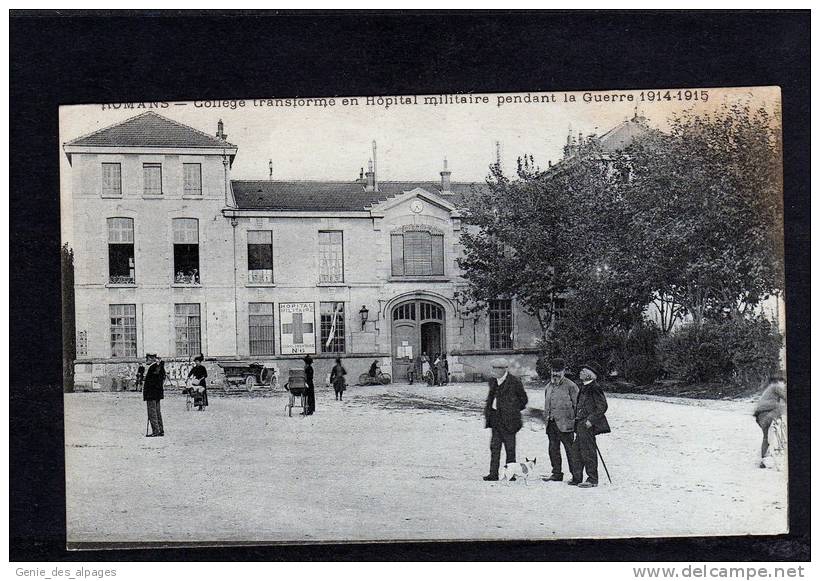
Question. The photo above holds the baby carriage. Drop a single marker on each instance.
(196, 396)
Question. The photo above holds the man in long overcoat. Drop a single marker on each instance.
(560, 398)
(589, 421)
(153, 393)
(502, 414)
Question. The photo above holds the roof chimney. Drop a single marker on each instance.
(220, 131)
(371, 177)
(445, 178)
(270, 169)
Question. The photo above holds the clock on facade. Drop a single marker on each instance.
(416, 206)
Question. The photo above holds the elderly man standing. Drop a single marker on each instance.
(153, 393)
(502, 414)
(560, 398)
(589, 422)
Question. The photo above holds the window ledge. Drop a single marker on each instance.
(436, 278)
(121, 285)
(152, 196)
(185, 285)
(260, 284)
(191, 196)
(331, 284)
(111, 197)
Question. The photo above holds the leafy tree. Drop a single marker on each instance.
(702, 209)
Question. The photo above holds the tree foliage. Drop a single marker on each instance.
(689, 219)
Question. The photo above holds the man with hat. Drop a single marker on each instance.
(502, 414)
(560, 397)
(152, 393)
(589, 421)
(309, 391)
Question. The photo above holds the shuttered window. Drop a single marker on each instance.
(111, 179)
(261, 331)
(417, 253)
(152, 179)
(192, 179)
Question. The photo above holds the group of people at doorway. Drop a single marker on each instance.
(435, 370)
(574, 415)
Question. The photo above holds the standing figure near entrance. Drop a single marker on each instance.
(436, 362)
(310, 392)
(426, 373)
(441, 368)
(502, 414)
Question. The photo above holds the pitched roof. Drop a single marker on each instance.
(332, 195)
(150, 130)
(622, 135)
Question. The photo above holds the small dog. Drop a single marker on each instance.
(518, 470)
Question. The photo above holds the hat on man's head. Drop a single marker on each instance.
(151, 355)
(307, 359)
(499, 362)
(594, 368)
(557, 364)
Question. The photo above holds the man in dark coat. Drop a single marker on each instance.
(589, 421)
(153, 393)
(502, 414)
(310, 391)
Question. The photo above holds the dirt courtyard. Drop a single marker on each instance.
(402, 462)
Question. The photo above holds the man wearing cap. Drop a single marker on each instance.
(589, 421)
(560, 397)
(152, 393)
(502, 414)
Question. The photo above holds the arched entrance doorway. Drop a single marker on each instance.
(418, 327)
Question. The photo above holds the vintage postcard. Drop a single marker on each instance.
(541, 315)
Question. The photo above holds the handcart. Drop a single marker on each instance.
(296, 387)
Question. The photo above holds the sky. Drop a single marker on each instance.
(333, 143)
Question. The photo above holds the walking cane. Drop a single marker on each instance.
(147, 423)
(601, 456)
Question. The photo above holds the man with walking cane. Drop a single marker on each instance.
(589, 422)
(153, 393)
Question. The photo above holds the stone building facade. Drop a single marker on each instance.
(173, 256)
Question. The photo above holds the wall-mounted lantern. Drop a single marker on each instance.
(363, 313)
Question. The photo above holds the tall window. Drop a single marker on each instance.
(417, 253)
(121, 251)
(186, 250)
(261, 332)
(501, 324)
(192, 179)
(332, 327)
(123, 330)
(152, 179)
(260, 256)
(331, 257)
(187, 326)
(111, 179)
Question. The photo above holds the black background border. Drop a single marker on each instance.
(94, 57)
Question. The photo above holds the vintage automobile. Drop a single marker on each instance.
(249, 374)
